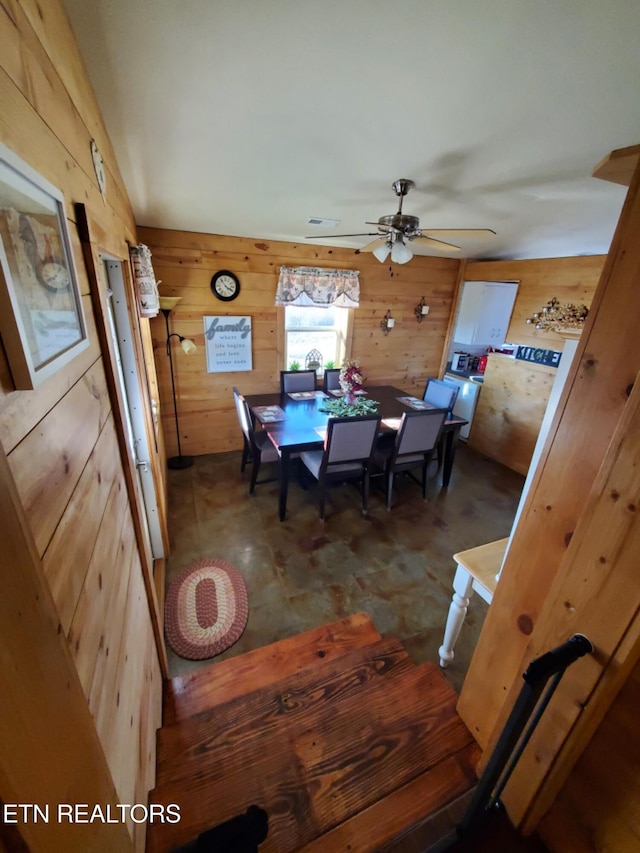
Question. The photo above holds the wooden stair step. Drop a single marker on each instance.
(187, 695)
(313, 764)
(298, 694)
(409, 818)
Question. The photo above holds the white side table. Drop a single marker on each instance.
(477, 570)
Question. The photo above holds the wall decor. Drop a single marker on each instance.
(41, 318)
(98, 166)
(549, 357)
(225, 285)
(228, 344)
(145, 282)
(555, 317)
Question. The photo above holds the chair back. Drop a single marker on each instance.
(350, 439)
(419, 432)
(332, 379)
(441, 394)
(297, 380)
(242, 410)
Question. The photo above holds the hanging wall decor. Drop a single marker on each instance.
(145, 281)
(41, 317)
(228, 344)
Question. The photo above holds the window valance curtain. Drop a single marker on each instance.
(319, 288)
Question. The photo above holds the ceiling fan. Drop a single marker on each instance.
(396, 230)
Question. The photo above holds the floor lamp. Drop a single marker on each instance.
(167, 304)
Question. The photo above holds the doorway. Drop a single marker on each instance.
(130, 386)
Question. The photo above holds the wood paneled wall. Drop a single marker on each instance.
(510, 409)
(599, 807)
(568, 279)
(61, 454)
(572, 562)
(514, 395)
(185, 262)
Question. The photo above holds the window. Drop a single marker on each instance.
(322, 329)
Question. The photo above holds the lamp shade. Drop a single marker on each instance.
(168, 303)
(188, 346)
(381, 252)
(400, 253)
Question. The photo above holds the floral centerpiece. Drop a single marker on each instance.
(350, 377)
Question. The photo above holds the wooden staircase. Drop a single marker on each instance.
(335, 733)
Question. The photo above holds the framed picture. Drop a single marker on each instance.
(228, 344)
(41, 319)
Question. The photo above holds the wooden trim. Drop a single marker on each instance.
(45, 725)
(448, 340)
(619, 165)
(118, 405)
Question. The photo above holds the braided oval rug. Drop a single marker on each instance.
(206, 609)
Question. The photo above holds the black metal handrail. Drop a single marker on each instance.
(541, 679)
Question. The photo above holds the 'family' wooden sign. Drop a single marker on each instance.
(228, 344)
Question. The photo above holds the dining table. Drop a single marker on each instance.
(296, 422)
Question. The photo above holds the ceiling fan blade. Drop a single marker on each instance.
(373, 244)
(329, 236)
(437, 244)
(462, 231)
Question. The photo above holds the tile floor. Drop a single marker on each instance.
(300, 573)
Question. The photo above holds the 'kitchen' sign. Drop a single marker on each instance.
(550, 357)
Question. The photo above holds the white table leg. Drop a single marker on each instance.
(457, 611)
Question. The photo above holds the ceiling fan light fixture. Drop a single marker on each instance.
(381, 252)
(400, 253)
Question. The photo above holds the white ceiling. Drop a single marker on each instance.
(247, 117)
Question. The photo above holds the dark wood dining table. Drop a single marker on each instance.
(296, 431)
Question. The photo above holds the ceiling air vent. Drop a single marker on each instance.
(326, 223)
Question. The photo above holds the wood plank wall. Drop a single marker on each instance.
(568, 279)
(510, 410)
(185, 262)
(599, 807)
(514, 396)
(60, 440)
(572, 563)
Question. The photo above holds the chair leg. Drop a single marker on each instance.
(365, 492)
(246, 453)
(322, 501)
(427, 461)
(389, 488)
(254, 474)
(425, 466)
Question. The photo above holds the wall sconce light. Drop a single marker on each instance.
(421, 310)
(387, 323)
(167, 304)
(554, 317)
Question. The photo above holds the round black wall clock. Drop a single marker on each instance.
(225, 285)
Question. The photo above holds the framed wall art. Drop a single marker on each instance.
(228, 344)
(41, 319)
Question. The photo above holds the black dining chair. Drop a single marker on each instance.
(297, 380)
(415, 441)
(257, 445)
(332, 379)
(347, 455)
(441, 393)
